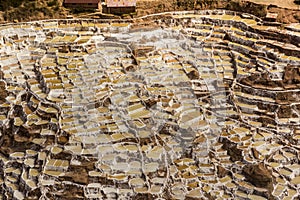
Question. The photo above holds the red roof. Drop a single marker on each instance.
(120, 3)
(82, 1)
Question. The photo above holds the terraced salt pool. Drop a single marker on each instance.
(199, 105)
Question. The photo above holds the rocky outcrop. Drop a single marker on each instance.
(3, 92)
(258, 175)
(291, 75)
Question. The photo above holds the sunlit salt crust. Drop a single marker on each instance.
(142, 107)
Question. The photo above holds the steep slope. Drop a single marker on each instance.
(26, 10)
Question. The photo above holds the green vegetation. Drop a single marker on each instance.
(24, 10)
(6, 4)
(27, 10)
(53, 3)
(185, 4)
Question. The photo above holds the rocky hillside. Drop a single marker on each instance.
(26, 10)
(156, 6)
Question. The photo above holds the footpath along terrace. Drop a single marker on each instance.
(179, 105)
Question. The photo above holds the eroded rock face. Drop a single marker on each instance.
(232, 150)
(222, 172)
(177, 105)
(291, 75)
(3, 92)
(258, 175)
(291, 79)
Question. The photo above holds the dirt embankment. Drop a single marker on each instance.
(27, 10)
(285, 15)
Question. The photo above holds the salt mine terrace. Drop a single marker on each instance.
(198, 104)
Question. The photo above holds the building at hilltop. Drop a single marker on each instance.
(119, 6)
(82, 3)
(271, 17)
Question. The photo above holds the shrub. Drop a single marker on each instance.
(5, 4)
(52, 3)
